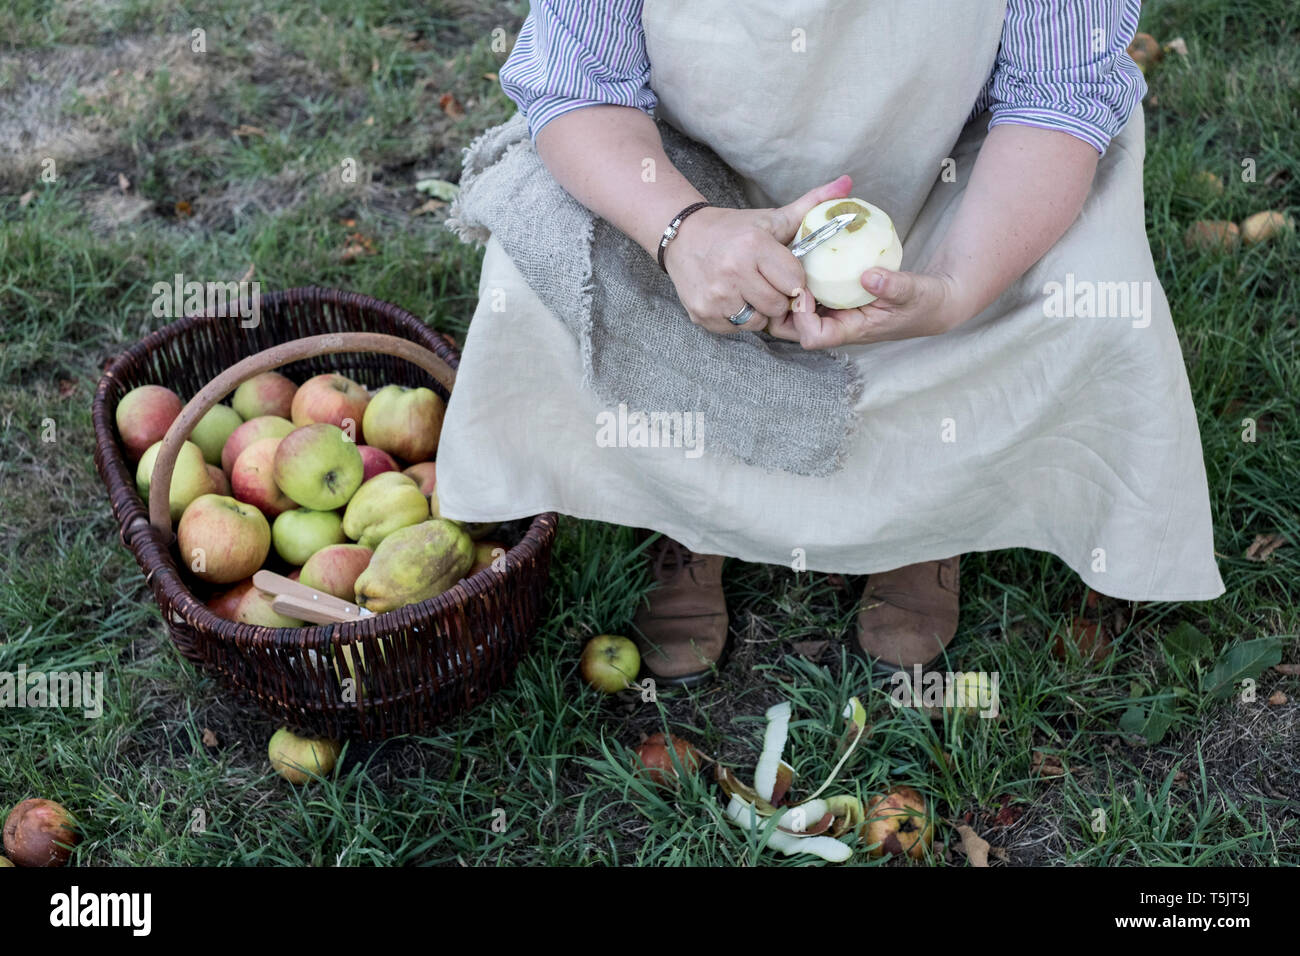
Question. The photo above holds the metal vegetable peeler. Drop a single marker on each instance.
(800, 249)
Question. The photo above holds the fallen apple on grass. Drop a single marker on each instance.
(381, 505)
(222, 540)
(298, 759)
(833, 271)
(213, 430)
(255, 429)
(654, 756)
(300, 533)
(267, 394)
(318, 466)
(252, 479)
(190, 477)
(143, 416)
(610, 663)
(331, 399)
(335, 569)
(899, 823)
(405, 422)
(40, 833)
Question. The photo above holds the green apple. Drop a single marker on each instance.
(257, 607)
(610, 663)
(222, 540)
(386, 502)
(405, 422)
(143, 416)
(318, 466)
(300, 533)
(213, 429)
(190, 477)
(298, 759)
(267, 394)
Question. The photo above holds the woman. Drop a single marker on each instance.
(1022, 381)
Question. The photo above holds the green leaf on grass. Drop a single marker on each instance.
(1186, 643)
(1151, 721)
(1239, 662)
(438, 189)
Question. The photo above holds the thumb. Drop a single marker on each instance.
(787, 219)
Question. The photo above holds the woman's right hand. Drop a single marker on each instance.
(723, 258)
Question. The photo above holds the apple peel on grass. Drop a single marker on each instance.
(812, 825)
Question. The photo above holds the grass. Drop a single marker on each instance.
(546, 760)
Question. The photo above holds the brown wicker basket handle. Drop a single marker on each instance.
(161, 483)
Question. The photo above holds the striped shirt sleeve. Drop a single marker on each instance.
(576, 53)
(1064, 65)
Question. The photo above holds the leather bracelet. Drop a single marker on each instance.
(671, 232)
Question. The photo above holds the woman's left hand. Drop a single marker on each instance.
(907, 305)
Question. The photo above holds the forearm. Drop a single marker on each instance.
(1026, 189)
(599, 154)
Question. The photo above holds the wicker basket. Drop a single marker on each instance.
(419, 664)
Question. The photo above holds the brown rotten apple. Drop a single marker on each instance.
(40, 833)
(897, 821)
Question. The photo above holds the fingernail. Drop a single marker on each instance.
(874, 281)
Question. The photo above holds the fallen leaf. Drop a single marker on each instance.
(183, 209)
(1180, 778)
(999, 852)
(974, 846)
(243, 129)
(368, 121)
(433, 205)
(1008, 816)
(349, 223)
(1262, 548)
(489, 76)
(451, 106)
(374, 64)
(358, 246)
(1290, 670)
(123, 183)
(1177, 45)
(209, 738)
(26, 197)
(1046, 765)
(1090, 640)
(812, 650)
(1276, 699)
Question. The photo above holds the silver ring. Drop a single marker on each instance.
(741, 317)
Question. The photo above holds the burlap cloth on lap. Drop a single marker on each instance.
(764, 402)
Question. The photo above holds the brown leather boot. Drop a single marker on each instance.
(683, 625)
(909, 615)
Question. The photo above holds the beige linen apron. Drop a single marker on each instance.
(1032, 425)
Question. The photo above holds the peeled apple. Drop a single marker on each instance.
(834, 269)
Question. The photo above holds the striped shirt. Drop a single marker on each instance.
(1062, 65)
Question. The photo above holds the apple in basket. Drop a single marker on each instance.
(300, 533)
(255, 429)
(833, 270)
(318, 466)
(221, 484)
(143, 416)
(331, 399)
(253, 479)
(267, 394)
(190, 477)
(222, 540)
(425, 474)
(375, 461)
(405, 422)
(213, 430)
(335, 569)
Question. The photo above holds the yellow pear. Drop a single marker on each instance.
(388, 501)
(413, 564)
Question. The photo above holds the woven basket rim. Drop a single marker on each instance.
(161, 571)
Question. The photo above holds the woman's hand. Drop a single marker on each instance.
(723, 258)
(908, 305)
